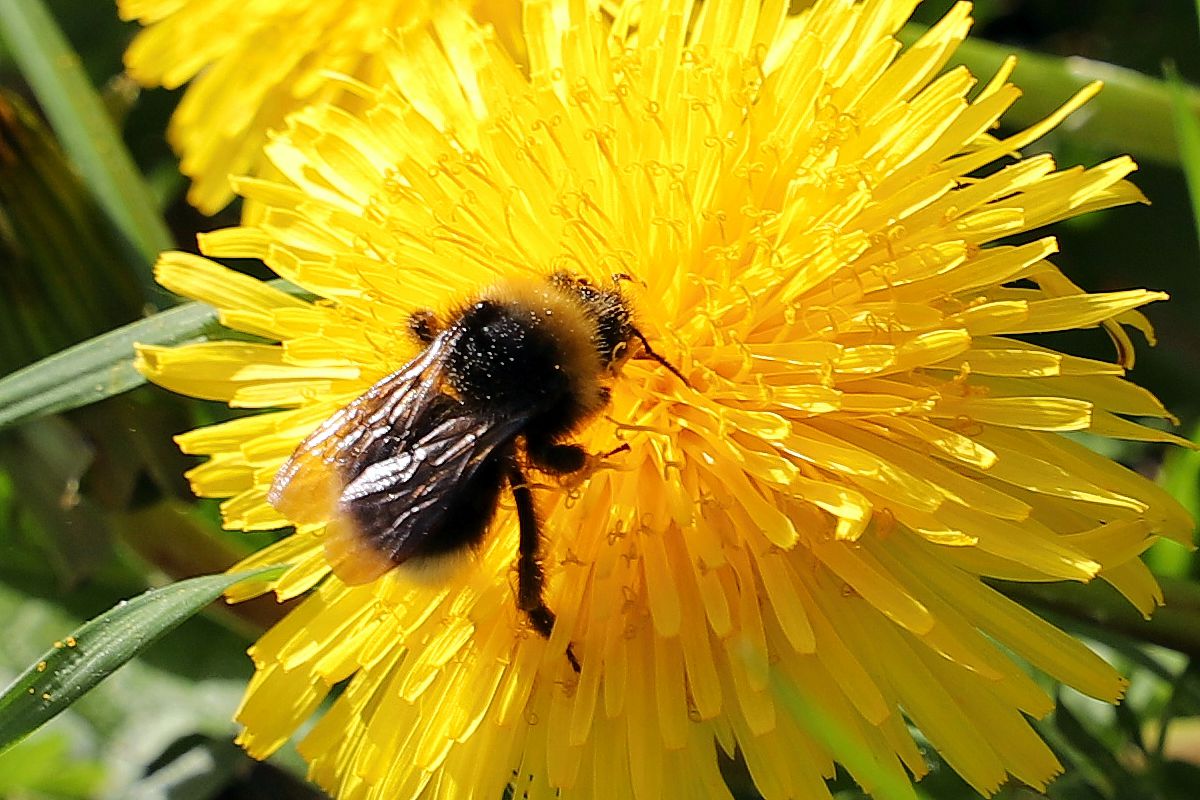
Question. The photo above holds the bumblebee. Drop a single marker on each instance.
(414, 468)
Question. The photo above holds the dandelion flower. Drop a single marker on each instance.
(256, 61)
(828, 242)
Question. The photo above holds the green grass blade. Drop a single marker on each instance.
(98, 368)
(103, 366)
(1187, 133)
(87, 133)
(1133, 113)
(73, 666)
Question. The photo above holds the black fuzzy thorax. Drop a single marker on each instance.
(507, 360)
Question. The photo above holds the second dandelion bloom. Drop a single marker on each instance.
(255, 61)
(809, 217)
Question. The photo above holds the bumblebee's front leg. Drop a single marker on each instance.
(531, 578)
(561, 459)
(424, 325)
(555, 457)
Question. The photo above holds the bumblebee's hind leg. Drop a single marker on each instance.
(531, 578)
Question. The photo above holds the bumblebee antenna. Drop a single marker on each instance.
(649, 351)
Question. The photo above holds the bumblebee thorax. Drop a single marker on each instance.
(526, 345)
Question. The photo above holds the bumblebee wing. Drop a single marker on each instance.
(306, 488)
(431, 495)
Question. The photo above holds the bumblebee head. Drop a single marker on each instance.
(607, 310)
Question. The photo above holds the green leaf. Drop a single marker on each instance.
(98, 368)
(1132, 114)
(103, 366)
(185, 686)
(87, 133)
(99, 647)
(1187, 132)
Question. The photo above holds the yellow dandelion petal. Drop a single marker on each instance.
(817, 229)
